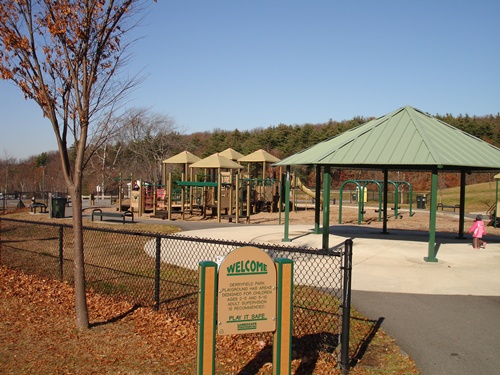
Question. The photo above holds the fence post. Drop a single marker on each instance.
(61, 254)
(346, 308)
(326, 207)
(157, 273)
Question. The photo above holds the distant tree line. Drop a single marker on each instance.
(145, 139)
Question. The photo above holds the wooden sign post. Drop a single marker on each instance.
(282, 340)
(207, 300)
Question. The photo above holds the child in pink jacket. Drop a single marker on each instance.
(478, 230)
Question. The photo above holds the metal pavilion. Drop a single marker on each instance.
(405, 139)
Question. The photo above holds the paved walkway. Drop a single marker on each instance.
(392, 262)
(444, 315)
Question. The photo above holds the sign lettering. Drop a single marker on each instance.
(247, 292)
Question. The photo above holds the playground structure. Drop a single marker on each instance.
(214, 186)
(298, 184)
(218, 186)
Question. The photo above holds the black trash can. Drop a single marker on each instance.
(58, 207)
(421, 201)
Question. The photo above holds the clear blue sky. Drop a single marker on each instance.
(254, 63)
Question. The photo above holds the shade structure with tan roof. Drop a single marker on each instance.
(231, 154)
(185, 158)
(264, 157)
(259, 156)
(217, 161)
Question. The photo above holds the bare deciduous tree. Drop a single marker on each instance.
(7, 165)
(149, 138)
(65, 55)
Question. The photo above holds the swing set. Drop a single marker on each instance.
(362, 197)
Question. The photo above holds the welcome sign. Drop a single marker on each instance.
(246, 292)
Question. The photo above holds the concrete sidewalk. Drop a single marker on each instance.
(391, 262)
(444, 315)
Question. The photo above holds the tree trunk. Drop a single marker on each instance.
(82, 318)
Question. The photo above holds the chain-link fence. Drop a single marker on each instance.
(162, 271)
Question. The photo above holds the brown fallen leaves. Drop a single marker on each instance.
(38, 335)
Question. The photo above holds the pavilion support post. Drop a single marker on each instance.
(326, 207)
(495, 212)
(431, 256)
(317, 202)
(287, 205)
(280, 198)
(386, 194)
(461, 219)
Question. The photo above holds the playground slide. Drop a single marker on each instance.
(306, 190)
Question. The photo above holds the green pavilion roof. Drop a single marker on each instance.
(406, 139)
